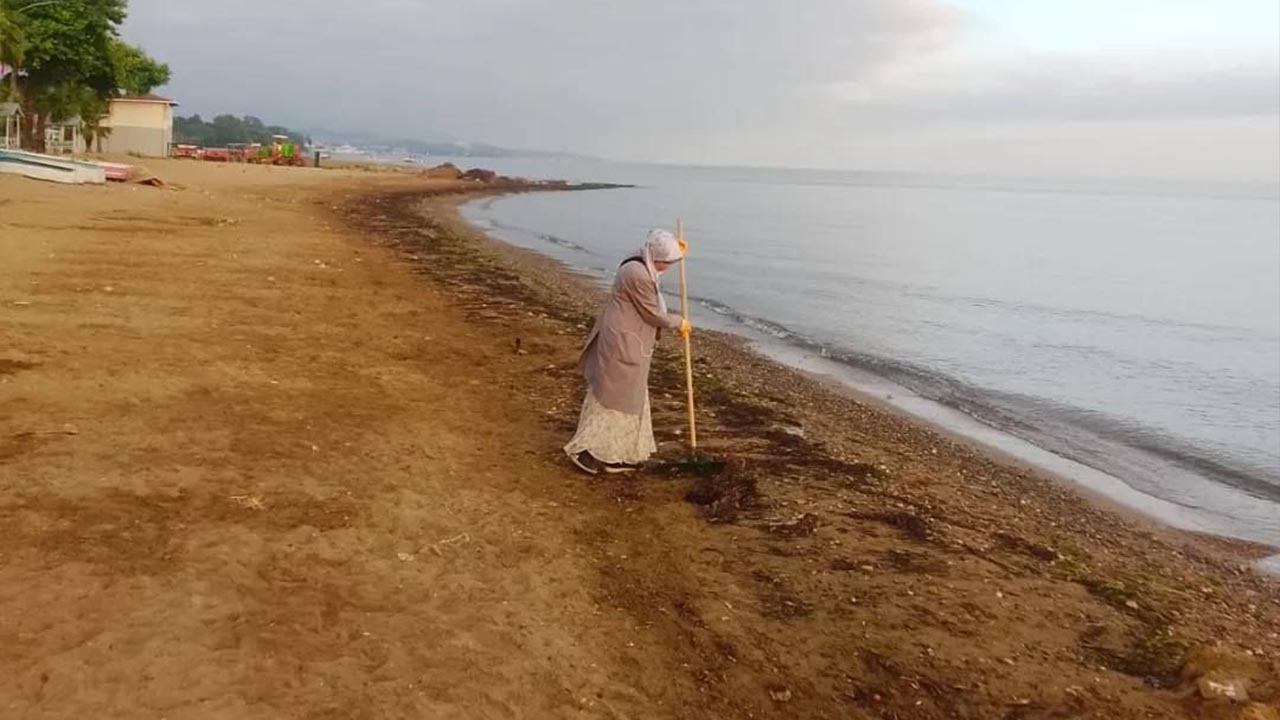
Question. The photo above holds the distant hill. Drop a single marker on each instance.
(447, 146)
(226, 129)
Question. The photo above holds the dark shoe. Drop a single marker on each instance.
(620, 468)
(587, 463)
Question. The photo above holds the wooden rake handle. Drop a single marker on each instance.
(688, 350)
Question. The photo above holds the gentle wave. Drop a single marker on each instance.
(545, 237)
(1009, 413)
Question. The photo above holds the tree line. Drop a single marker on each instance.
(64, 59)
(225, 130)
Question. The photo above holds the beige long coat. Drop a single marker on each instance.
(615, 359)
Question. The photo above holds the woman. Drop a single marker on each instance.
(615, 431)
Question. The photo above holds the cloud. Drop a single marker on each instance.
(1244, 149)
(1068, 88)
(549, 72)
(824, 83)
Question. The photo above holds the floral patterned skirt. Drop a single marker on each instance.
(611, 436)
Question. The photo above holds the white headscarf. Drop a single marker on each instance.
(659, 246)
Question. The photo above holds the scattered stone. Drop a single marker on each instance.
(446, 171)
(249, 502)
(1258, 711)
(1223, 673)
(802, 526)
(1227, 689)
(480, 175)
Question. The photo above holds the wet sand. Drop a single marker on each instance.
(284, 443)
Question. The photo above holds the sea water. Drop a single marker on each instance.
(1124, 334)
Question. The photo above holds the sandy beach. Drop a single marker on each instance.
(284, 442)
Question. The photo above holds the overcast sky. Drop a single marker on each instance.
(1181, 89)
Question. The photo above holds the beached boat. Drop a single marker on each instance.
(116, 172)
(51, 168)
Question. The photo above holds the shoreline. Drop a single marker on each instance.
(302, 428)
(803, 451)
(582, 291)
(1097, 486)
(754, 408)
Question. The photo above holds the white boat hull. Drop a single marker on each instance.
(51, 168)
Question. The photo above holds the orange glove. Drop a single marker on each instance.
(684, 246)
(686, 328)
